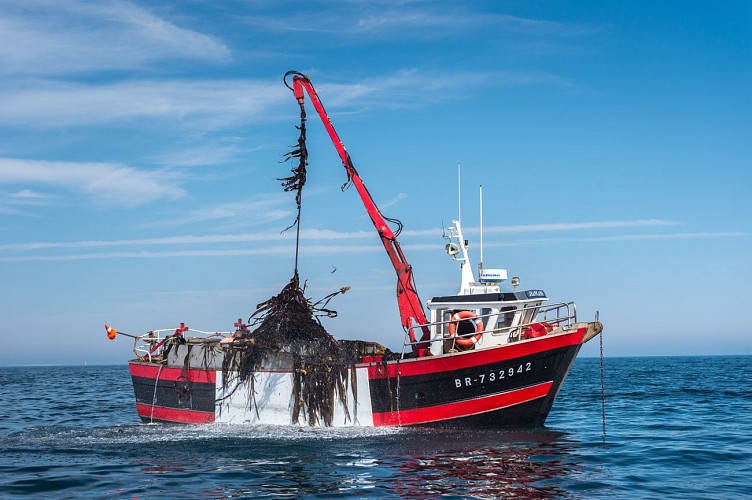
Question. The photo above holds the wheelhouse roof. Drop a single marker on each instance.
(491, 297)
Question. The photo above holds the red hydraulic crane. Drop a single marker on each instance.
(410, 306)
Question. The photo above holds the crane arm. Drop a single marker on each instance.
(410, 306)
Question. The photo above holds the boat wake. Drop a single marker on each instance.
(137, 434)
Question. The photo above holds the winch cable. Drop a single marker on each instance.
(297, 180)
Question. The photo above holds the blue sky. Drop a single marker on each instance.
(140, 142)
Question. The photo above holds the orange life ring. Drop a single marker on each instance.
(454, 325)
(537, 330)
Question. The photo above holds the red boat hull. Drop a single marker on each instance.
(509, 385)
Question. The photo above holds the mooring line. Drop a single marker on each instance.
(603, 384)
(154, 397)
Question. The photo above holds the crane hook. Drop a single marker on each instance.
(293, 73)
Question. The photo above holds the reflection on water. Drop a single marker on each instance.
(488, 464)
(536, 463)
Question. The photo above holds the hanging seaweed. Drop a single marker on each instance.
(297, 180)
(286, 332)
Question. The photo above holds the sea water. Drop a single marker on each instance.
(676, 427)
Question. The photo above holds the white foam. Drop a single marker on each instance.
(155, 433)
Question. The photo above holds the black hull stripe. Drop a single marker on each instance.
(441, 388)
(183, 395)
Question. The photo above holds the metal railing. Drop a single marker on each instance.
(570, 313)
(150, 345)
(561, 314)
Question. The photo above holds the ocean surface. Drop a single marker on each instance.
(676, 427)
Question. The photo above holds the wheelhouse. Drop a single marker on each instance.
(481, 315)
(492, 319)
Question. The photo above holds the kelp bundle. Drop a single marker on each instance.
(288, 332)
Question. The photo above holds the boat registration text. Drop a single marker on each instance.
(493, 376)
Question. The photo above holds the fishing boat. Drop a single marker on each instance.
(490, 355)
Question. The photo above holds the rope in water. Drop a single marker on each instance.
(154, 397)
(603, 386)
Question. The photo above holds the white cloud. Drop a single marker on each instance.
(394, 201)
(577, 226)
(208, 154)
(112, 184)
(212, 103)
(27, 194)
(309, 250)
(264, 208)
(550, 227)
(25, 197)
(12, 203)
(274, 243)
(50, 37)
(266, 236)
(667, 236)
(379, 19)
(410, 88)
(223, 103)
(265, 202)
(277, 250)
(456, 20)
(43, 39)
(581, 239)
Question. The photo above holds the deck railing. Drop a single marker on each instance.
(561, 314)
(150, 345)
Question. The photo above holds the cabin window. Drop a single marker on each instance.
(506, 317)
(446, 317)
(485, 316)
(530, 315)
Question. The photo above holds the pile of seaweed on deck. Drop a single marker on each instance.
(286, 329)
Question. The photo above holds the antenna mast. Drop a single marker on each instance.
(459, 195)
(480, 262)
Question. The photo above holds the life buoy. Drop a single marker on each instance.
(537, 330)
(454, 326)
